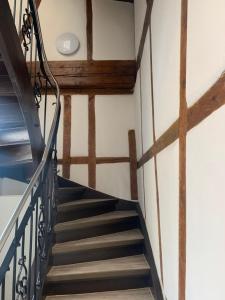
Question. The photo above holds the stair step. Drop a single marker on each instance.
(11, 116)
(84, 203)
(6, 88)
(120, 244)
(137, 294)
(15, 155)
(104, 241)
(14, 136)
(104, 219)
(111, 268)
(66, 194)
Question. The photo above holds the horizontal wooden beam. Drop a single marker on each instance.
(83, 160)
(130, 1)
(212, 100)
(98, 77)
(112, 160)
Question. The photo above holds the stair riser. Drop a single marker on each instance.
(64, 197)
(89, 286)
(85, 212)
(97, 254)
(92, 231)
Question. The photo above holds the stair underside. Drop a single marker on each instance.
(123, 238)
(111, 268)
(137, 294)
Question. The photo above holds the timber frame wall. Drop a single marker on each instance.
(125, 74)
(189, 117)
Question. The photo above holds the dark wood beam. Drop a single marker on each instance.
(130, 1)
(91, 142)
(66, 136)
(155, 158)
(182, 151)
(83, 160)
(97, 77)
(89, 29)
(133, 165)
(147, 21)
(211, 101)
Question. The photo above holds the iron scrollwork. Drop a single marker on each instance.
(22, 278)
(27, 29)
(41, 233)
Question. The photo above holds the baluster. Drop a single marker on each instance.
(14, 10)
(31, 52)
(14, 267)
(36, 251)
(30, 253)
(3, 290)
(20, 15)
(45, 108)
(21, 284)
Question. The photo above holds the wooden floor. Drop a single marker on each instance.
(99, 251)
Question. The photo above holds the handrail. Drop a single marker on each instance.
(53, 131)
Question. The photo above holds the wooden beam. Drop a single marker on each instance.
(82, 160)
(144, 32)
(94, 77)
(130, 1)
(133, 165)
(155, 157)
(211, 101)
(89, 29)
(91, 142)
(182, 151)
(112, 160)
(66, 136)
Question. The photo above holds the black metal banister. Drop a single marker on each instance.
(29, 268)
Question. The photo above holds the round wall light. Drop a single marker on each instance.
(67, 43)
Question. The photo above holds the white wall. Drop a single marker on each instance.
(205, 145)
(113, 30)
(113, 38)
(58, 17)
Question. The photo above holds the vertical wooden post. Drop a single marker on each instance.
(91, 142)
(133, 165)
(89, 29)
(182, 152)
(66, 136)
(155, 156)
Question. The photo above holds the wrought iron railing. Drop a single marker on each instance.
(26, 240)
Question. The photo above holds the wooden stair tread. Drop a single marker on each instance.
(6, 88)
(123, 238)
(111, 268)
(11, 115)
(13, 155)
(137, 294)
(82, 203)
(14, 136)
(107, 218)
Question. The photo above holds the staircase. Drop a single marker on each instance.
(99, 250)
(21, 142)
(64, 240)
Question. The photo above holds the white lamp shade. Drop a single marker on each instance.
(67, 43)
